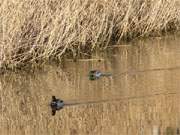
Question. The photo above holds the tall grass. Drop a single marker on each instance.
(34, 30)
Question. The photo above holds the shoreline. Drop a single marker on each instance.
(34, 32)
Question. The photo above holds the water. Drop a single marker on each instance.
(140, 98)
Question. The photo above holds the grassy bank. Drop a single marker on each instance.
(33, 31)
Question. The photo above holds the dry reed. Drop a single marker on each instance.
(35, 30)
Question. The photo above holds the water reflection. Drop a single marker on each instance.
(141, 98)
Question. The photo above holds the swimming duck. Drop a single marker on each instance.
(56, 104)
(96, 74)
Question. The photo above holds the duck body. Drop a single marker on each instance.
(56, 104)
(96, 74)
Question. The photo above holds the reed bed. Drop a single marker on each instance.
(32, 31)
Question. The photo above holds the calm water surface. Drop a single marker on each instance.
(141, 98)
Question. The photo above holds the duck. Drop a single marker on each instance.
(96, 74)
(56, 105)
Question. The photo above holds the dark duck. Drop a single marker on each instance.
(56, 104)
(96, 74)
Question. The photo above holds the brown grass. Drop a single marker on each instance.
(34, 30)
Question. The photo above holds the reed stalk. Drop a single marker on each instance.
(39, 30)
